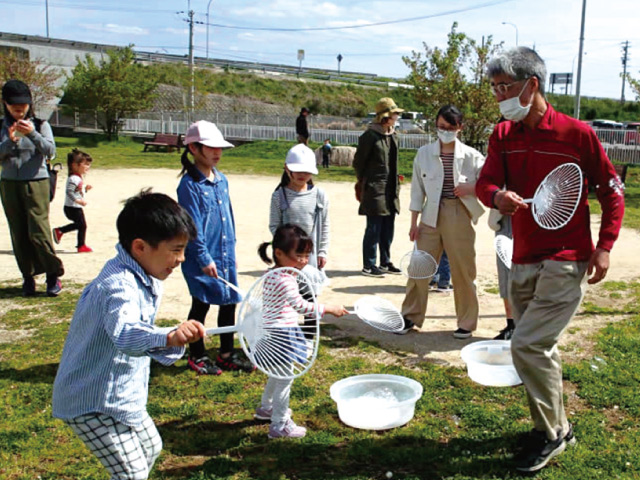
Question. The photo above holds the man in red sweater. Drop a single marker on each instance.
(550, 268)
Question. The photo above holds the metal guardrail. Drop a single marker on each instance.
(622, 146)
(262, 132)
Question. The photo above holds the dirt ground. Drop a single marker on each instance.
(250, 198)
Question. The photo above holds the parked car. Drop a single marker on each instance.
(632, 134)
(609, 131)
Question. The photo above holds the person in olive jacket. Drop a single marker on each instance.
(378, 188)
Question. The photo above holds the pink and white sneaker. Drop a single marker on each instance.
(263, 413)
(288, 430)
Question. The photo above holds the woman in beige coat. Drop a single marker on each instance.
(443, 198)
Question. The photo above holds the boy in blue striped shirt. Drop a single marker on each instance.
(101, 387)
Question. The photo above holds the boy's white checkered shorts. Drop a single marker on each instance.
(128, 453)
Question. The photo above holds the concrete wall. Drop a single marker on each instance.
(61, 55)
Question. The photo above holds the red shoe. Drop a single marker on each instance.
(84, 249)
(57, 235)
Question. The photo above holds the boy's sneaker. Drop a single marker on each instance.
(235, 362)
(54, 286)
(408, 326)
(28, 287)
(444, 289)
(57, 235)
(373, 272)
(390, 268)
(288, 430)
(263, 413)
(537, 451)
(203, 366)
(461, 333)
(84, 249)
(506, 333)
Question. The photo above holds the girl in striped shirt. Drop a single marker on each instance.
(291, 248)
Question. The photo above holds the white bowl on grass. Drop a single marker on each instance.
(377, 401)
(489, 363)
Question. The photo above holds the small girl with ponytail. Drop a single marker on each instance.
(204, 192)
(291, 248)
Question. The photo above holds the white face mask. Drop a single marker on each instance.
(447, 136)
(511, 108)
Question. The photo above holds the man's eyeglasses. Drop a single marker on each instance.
(502, 88)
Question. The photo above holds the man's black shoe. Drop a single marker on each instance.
(537, 451)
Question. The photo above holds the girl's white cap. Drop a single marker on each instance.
(207, 134)
(301, 159)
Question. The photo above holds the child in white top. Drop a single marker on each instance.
(291, 248)
(79, 164)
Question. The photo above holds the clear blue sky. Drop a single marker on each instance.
(553, 26)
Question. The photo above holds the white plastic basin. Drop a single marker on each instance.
(490, 363)
(376, 402)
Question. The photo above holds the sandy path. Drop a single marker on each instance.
(250, 198)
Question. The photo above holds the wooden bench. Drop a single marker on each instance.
(165, 140)
(621, 170)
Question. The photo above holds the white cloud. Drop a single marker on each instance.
(115, 28)
(177, 31)
(246, 35)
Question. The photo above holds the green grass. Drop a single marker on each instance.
(460, 430)
(256, 158)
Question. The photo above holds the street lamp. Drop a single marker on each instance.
(46, 6)
(514, 26)
(208, 5)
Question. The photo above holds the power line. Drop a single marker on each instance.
(376, 24)
(84, 6)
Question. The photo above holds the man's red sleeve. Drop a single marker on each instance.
(492, 175)
(602, 175)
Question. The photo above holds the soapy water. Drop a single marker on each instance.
(373, 409)
(486, 357)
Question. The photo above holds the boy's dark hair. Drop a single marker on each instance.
(450, 114)
(77, 156)
(287, 238)
(154, 218)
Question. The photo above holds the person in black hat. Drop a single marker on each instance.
(302, 128)
(25, 145)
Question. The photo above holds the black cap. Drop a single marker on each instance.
(15, 92)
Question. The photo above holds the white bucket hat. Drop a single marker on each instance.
(207, 134)
(301, 159)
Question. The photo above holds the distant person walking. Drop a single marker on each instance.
(378, 187)
(326, 153)
(25, 145)
(302, 129)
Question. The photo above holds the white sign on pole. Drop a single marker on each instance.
(300, 55)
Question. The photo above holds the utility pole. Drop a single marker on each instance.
(625, 58)
(339, 58)
(46, 7)
(576, 109)
(192, 92)
(208, 5)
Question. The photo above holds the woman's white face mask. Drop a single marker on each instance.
(447, 136)
(511, 108)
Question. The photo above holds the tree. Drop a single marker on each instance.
(635, 85)
(455, 75)
(41, 78)
(115, 87)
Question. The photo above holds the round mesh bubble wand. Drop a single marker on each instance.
(271, 324)
(418, 264)
(556, 198)
(378, 313)
(504, 249)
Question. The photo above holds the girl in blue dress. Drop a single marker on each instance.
(204, 192)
